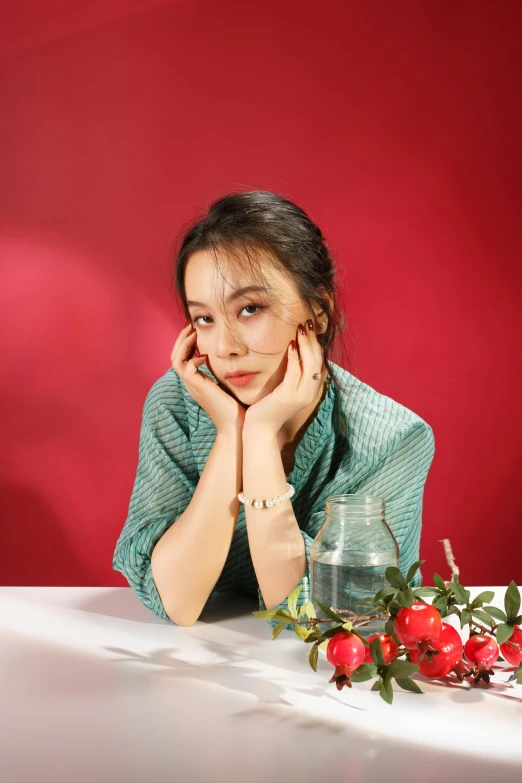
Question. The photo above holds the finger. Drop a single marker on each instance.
(293, 366)
(314, 342)
(306, 351)
(183, 351)
(191, 368)
(311, 362)
(188, 370)
(181, 336)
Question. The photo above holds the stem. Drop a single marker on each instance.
(366, 620)
(483, 627)
(355, 619)
(450, 560)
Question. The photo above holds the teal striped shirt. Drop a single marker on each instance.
(359, 441)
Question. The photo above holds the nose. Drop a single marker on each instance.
(226, 344)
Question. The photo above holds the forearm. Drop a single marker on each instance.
(189, 558)
(276, 544)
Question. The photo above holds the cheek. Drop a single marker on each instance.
(269, 336)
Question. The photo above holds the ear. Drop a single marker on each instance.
(320, 315)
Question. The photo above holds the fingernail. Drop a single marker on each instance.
(302, 329)
(310, 325)
(292, 345)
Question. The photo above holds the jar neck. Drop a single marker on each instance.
(355, 507)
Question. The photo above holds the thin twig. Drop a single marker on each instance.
(450, 560)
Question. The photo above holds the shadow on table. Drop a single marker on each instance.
(229, 610)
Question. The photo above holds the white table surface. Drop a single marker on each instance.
(94, 687)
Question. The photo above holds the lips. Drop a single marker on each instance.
(242, 380)
(237, 374)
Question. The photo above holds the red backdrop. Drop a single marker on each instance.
(396, 125)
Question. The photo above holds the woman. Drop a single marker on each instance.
(256, 281)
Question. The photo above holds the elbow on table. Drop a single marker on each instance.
(184, 621)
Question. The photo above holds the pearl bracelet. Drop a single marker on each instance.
(266, 503)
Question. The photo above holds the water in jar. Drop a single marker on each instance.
(341, 579)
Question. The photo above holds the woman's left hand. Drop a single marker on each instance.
(298, 388)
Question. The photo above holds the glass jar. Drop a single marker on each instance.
(350, 554)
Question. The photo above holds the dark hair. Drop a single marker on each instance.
(256, 228)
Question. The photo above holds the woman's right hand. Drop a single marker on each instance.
(227, 413)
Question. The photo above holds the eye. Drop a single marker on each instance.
(247, 317)
(259, 307)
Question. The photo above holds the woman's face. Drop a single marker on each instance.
(262, 326)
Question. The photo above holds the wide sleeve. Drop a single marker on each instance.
(398, 478)
(163, 488)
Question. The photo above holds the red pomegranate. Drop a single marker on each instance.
(508, 649)
(449, 652)
(345, 651)
(418, 627)
(389, 648)
(481, 651)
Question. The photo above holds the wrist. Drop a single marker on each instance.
(256, 432)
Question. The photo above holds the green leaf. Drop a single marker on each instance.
(498, 614)
(385, 689)
(395, 577)
(367, 601)
(459, 592)
(512, 601)
(314, 654)
(406, 597)
(465, 618)
(517, 675)
(483, 598)
(385, 592)
(376, 652)
(481, 615)
(330, 612)
(277, 630)
(413, 570)
(292, 601)
(441, 603)
(313, 635)
(388, 628)
(329, 632)
(401, 669)
(438, 581)
(273, 614)
(376, 685)
(364, 672)
(307, 609)
(302, 632)
(504, 632)
(347, 625)
(419, 592)
(408, 685)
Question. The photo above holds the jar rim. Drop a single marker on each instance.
(355, 499)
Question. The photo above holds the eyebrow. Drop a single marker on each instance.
(234, 295)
